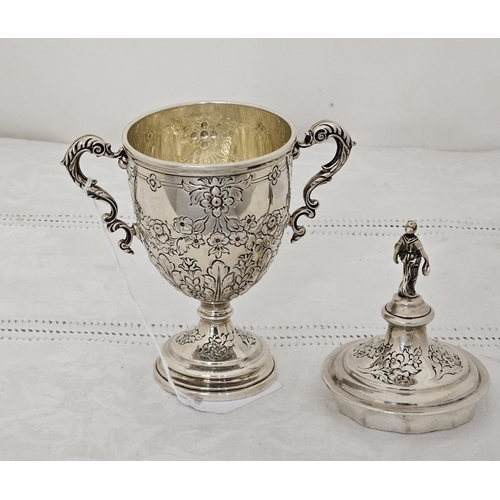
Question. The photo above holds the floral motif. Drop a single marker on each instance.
(274, 175)
(188, 276)
(203, 135)
(218, 242)
(247, 338)
(442, 361)
(249, 222)
(245, 273)
(218, 282)
(154, 182)
(256, 240)
(216, 202)
(270, 224)
(216, 194)
(238, 238)
(183, 225)
(371, 349)
(195, 241)
(391, 367)
(218, 347)
(160, 230)
(206, 140)
(189, 336)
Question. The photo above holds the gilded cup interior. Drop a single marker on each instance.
(209, 133)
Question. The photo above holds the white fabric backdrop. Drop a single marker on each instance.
(76, 366)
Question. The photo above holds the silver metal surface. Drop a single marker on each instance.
(210, 185)
(411, 251)
(96, 146)
(319, 132)
(405, 382)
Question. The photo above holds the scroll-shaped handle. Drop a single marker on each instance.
(96, 146)
(319, 132)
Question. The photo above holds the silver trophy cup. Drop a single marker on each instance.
(210, 185)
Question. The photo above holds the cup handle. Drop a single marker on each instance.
(319, 132)
(96, 146)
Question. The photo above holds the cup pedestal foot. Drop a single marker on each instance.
(216, 361)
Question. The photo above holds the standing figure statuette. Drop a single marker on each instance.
(410, 251)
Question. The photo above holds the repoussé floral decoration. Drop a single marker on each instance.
(257, 238)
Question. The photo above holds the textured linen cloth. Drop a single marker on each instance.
(76, 365)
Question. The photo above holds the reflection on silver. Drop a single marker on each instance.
(210, 185)
(404, 382)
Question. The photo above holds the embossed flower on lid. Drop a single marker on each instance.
(400, 377)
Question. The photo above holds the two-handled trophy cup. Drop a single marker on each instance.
(210, 186)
